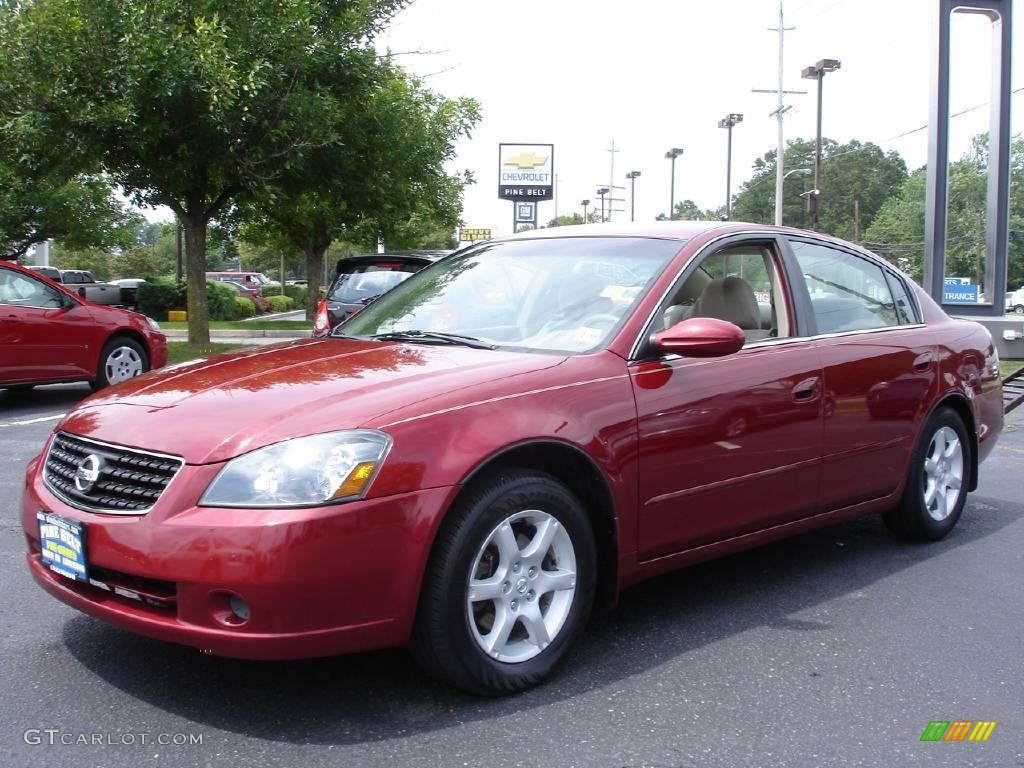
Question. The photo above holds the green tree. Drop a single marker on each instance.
(187, 103)
(387, 181)
(897, 232)
(81, 211)
(853, 175)
(687, 210)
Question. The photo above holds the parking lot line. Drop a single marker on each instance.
(36, 420)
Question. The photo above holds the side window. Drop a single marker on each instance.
(19, 290)
(906, 310)
(848, 293)
(740, 284)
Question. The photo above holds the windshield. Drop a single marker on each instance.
(364, 281)
(557, 295)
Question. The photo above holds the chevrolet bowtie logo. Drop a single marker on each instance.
(527, 161)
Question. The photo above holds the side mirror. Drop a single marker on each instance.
(66, 302)
(700, 337)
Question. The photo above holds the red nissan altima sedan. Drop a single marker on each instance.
(510, 435)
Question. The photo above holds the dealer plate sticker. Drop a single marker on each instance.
(62, 543)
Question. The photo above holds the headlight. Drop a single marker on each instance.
(304, 472)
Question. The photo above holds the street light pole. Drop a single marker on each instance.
(632, 193)
(817, 72)
(602, 191)
(672, 154)
(584, 203)
(728, 122)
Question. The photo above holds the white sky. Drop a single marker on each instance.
(653, 74)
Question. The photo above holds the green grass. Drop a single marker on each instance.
(180, 351)
(1006, 367)
(252, 325)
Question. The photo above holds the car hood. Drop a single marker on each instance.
(212, 410)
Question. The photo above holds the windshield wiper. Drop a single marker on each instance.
(434, 337)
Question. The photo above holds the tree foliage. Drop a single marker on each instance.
(187, 103)
(386, 181)
(849, 172)
(687, 210)
(81, 211)
(897, 232)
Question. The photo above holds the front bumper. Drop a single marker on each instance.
(318, 581)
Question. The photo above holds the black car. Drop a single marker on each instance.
(361, 279)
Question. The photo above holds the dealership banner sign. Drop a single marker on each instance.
(526, 171)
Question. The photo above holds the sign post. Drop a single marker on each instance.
(526, 175)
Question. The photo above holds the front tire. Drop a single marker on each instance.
(940, 474)
(121, 359)
(509, 586)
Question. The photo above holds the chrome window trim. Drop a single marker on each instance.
(76, 504)
(796, 340)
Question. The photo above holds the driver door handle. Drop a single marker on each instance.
(807, 390)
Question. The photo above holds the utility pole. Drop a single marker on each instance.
(856, 220)
(779, 114)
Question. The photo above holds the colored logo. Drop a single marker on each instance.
(958, 730)
(88, 472)
(527, 161)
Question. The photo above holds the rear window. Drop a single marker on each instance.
(358, 282)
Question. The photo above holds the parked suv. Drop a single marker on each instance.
(361, 279)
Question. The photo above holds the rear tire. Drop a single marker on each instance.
(121, 359)
(509, 586)
(937, 483)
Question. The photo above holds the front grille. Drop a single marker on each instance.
(128, 481)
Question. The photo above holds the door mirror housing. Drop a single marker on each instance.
(700, 337)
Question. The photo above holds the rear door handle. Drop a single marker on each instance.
(806, 390)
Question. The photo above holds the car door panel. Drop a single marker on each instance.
(876, 385)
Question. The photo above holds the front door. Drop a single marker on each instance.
(728, 445)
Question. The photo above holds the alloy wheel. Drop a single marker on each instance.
(521, 586)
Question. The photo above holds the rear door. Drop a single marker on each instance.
(879, 365)
(728, 445)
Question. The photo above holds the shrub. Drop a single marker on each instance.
(156, 298)
(281, 303)
(244, 308)
(220, 299)
(296, 293)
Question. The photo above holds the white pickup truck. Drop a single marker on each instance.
(1015, 302)
(82, 282)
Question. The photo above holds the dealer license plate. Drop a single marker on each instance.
(62, 543)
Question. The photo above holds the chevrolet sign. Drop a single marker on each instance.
(526, 171)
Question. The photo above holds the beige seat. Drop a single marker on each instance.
(732, 299)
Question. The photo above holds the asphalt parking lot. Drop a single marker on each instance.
(836, 648)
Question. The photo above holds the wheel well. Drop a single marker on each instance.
(579, 473)
(128, 333)
(959, 404)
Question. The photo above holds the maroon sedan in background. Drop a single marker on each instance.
(514, 432)
(48, 335)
